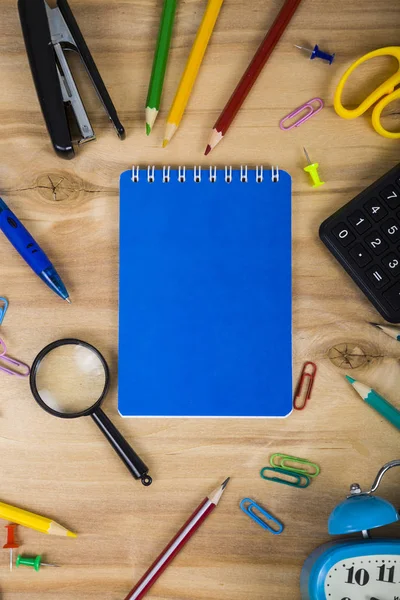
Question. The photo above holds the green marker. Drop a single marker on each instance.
(382, 406)
(160, 63)
(31, 561)
(391, 330)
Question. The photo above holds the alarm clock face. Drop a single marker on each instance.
(364, 578)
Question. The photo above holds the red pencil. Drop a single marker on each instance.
(177, 543)
(250, 76)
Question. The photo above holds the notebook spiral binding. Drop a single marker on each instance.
(198, 173)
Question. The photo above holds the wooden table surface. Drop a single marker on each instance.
(65, 469)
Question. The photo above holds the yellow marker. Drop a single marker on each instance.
(383, 95)
(32, 521)
(192, 68)
(312, 169)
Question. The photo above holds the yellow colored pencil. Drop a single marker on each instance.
(192, 68)
(32, 521)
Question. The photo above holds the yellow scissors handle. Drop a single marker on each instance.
(376, 116)
(383, 95)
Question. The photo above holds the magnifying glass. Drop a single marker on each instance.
(70, 379)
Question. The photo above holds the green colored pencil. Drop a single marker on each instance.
(391, 330)
(382, 406)
(160, 63)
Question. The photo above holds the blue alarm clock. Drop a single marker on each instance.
(356, 569)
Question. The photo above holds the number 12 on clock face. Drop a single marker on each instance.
(360, 570)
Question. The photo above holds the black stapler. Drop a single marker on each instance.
(48, 33)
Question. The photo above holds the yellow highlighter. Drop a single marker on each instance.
(383, 95)
(192, 68)
(32, 521)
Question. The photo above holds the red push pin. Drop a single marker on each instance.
(11, 543)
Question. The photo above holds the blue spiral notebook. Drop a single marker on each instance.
(205, 309)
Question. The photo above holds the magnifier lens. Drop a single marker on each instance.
(70, 379)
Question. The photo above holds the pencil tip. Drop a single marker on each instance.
(208, 150)
(165, 143)
(225, 483)
(350, 379)
(148, 129)
(71, 534)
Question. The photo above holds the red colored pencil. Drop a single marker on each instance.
(250, 76)
(177, 543)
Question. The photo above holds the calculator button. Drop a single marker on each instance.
(392, 264)
(375, 209)
(343, 234)
(377, 276)
(360, 255)
(391, 228)
(391, 195)
(359, 221)
(376, 243)
(392, 295)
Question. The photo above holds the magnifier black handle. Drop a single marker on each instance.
(132, 461)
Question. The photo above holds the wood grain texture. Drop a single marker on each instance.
(64, 469)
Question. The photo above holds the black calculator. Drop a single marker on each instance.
(364, 236)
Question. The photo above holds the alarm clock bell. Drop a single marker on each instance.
(356, 569)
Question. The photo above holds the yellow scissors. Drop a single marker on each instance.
(381, 97)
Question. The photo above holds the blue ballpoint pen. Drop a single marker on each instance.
(30, 251)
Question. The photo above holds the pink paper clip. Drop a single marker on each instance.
(311, 111)
(4, 358)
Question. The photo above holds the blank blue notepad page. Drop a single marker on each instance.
(205, 296)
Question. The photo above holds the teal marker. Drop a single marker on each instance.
(390, 330)
(382, 406)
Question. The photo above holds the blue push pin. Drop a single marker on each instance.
(317, 53)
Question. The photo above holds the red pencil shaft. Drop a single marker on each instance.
(174, 553)
(256, 66)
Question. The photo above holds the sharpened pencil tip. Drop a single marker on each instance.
(207, 150)
(225, 483)
(165, 143)
(350, 379)
(71, 534)
(148, 129)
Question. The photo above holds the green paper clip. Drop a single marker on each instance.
(285, 459)
(298, 480)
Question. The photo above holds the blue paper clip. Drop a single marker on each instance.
(298, 480)
(248, 506)
(3, 308)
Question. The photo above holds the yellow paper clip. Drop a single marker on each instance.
(312, 169)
